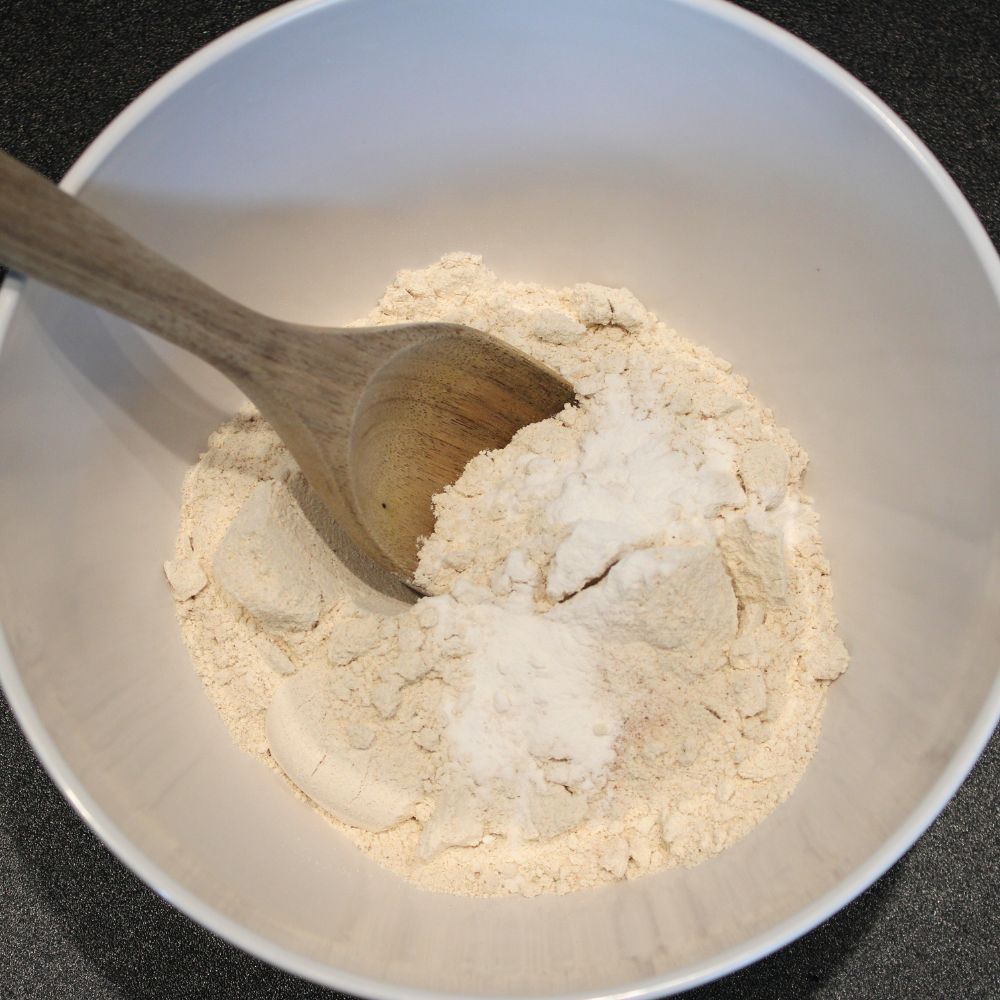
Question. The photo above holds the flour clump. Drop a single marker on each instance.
(628, 637)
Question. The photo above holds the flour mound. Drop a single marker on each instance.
(625, 655)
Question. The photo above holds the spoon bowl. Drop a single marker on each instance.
(382, 418)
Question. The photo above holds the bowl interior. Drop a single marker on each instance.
(737, 186)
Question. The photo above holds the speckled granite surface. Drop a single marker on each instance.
(75, 924)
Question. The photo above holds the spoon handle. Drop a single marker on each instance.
(47, 234)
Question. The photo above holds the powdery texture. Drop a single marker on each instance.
(625, 657)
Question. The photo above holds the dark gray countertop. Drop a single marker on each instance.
(74, 923)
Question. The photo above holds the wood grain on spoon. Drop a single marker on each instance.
(378, 418)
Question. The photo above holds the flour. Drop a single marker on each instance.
(625, 655)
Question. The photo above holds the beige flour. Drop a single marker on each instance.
(626, 657)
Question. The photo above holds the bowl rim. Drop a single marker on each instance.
(677, 981)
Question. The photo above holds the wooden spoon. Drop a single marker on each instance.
(378, 418)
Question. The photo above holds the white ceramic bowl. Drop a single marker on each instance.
(758, 197)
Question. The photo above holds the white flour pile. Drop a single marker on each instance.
(627, 657)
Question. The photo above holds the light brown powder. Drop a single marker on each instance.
(627, 659)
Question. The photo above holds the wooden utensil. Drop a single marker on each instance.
(378, 418)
